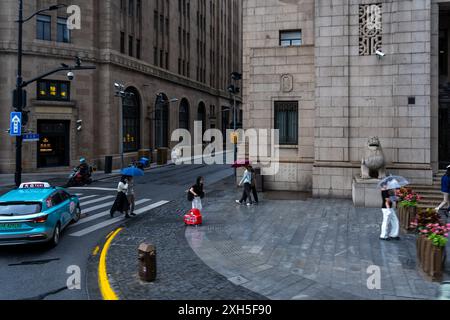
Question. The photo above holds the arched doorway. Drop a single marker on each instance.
(202, 115)
(162, 121)
(184, 114)
(131, 115)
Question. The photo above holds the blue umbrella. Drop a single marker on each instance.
(132, 172)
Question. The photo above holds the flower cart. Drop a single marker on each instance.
(407, 209)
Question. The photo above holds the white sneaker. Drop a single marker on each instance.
(249, 204)
(238, 202)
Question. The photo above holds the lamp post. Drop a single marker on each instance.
(234, 90)
(122, 94)
(19, 94)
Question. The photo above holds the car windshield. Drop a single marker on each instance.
(19, 209)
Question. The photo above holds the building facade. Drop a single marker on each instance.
(312, 70)
(174, 56)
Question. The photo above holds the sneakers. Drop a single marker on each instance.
(238, 202)
(249, 204)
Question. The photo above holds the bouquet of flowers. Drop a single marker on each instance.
(425, 218)
(407, 197)
(437, 233)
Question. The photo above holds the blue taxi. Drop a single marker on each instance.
(35, 213)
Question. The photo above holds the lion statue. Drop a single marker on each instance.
(373, 166)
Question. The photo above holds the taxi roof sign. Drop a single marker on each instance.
(35, 185)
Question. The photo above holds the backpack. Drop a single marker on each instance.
(190, 196)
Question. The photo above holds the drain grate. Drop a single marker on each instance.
(36, 262)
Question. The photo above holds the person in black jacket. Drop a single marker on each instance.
(196, 193)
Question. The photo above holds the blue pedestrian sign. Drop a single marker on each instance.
(15, 128)
(31, 137)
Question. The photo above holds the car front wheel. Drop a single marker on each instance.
(77, 215)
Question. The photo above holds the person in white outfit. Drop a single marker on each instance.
(247, 182)
(390, 218)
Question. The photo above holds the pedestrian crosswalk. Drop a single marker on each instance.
(96, 215)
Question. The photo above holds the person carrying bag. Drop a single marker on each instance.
(196, 194)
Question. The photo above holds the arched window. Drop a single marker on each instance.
(162, 121)
(131, 121)
(184, 114)
(202, 115)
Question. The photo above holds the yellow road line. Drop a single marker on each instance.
(96, 251)
(105, 287)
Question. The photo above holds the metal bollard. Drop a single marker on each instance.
(147, 262)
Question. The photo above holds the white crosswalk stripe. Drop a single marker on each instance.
(102, 214)
(110, 222)
(87, 197)
(96, 200)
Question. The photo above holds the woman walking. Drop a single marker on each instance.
(389, 214)
(121, 204)
(445, 188)
(247, 182)
(254, 186)
(196, 194)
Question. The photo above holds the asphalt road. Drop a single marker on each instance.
(40, 273)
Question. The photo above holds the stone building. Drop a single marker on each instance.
(175, 56)
(311, 69)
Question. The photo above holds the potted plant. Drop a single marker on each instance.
(431, 241)
(407, 209)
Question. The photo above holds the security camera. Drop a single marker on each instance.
(70, 75)
(380, 54)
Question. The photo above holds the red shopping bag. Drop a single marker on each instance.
(193, 218)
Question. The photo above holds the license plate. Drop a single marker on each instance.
(10, 226)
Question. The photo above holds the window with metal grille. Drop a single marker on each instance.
(370, 28)
(286, 121)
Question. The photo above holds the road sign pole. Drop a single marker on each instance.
(19, 106)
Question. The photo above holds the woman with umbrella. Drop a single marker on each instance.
(390, 219)
(125, 199)
(121, 204)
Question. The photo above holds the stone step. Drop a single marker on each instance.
(425, 187)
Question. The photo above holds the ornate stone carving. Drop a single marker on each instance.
(287, 83)
(370, 28)
(373, 165)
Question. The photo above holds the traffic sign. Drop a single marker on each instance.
(31, 137)
(15, 124)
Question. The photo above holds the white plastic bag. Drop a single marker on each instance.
(197, 203)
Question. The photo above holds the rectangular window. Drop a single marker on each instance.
(161, 58)
(44, 27)
(286, 120)
(63, 31)
(167, 60)
(131, 8)
(155, 56)
(138, 49)
(122, 42)
(155, 20)
(130, 46)
(53, 90)
(290, 38)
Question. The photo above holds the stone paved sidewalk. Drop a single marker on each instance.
(313, 249)
(181, 274)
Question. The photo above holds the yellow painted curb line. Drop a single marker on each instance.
(105, 287)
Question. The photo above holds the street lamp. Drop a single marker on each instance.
(121, 93)
(234, 90)
(19, 94)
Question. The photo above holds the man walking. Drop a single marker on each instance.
(131, 196)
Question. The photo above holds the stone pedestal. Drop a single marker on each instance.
(366, 193)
